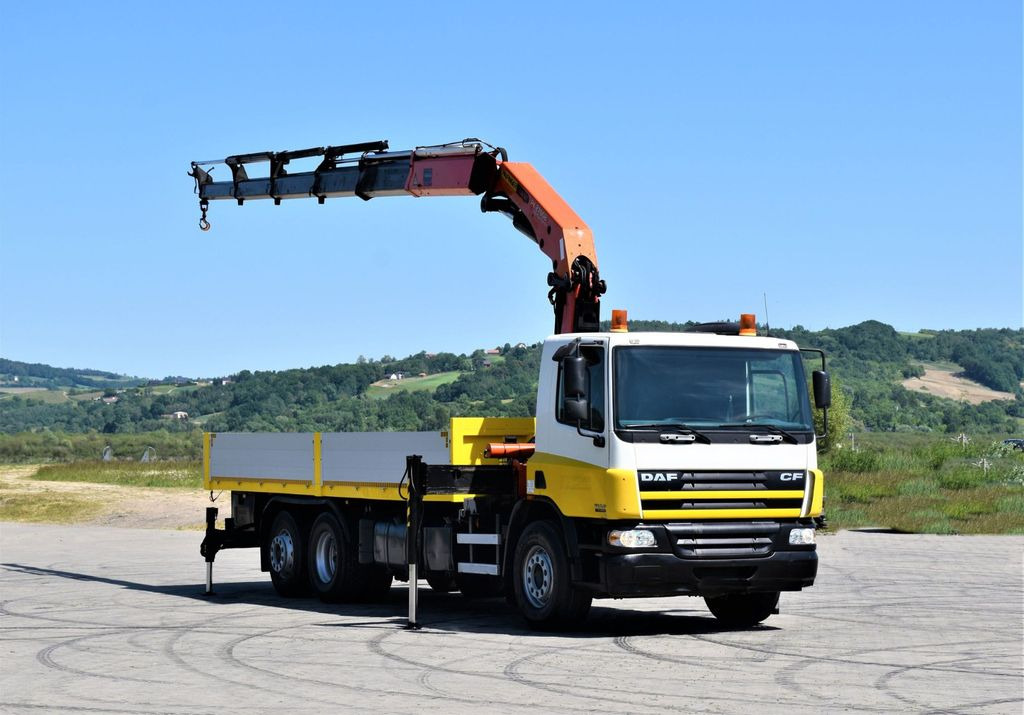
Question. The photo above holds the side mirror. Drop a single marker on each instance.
(822, 389)
(575, 400)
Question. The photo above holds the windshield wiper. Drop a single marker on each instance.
(787, 436)
(674, 427)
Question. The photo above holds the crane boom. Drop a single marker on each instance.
(369, 170)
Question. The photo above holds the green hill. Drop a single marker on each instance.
(869, 360)
(14, 374)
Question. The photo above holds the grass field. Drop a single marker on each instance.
(183, 474)
(203, 419)
(50, 397)
(171, 389)
(85, 396)
(47, 507)
(917, 336)
(945, 381)
(926, 484)
(383, 388)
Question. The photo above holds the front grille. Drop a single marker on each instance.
(721, 481)
(668, 494)
(727, 540)
(676, 503)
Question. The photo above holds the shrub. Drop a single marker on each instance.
(849, 461)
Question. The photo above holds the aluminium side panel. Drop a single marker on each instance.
(262, 461)
(376, 458)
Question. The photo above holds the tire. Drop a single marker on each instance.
(376, 583)
(286, 552)
(335, 573)
(330, 559)
(441, 581)
(743, 610)
(474, 586)
(541, 579)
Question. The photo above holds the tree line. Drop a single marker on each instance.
(869, 359)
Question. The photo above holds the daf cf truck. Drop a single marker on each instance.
(656, 464)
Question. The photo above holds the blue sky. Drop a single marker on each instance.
(853, 160)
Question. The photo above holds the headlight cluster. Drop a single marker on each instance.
(632, 539)
(801, 537)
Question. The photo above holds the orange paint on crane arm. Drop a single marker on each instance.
(564, 238)
(550, 215)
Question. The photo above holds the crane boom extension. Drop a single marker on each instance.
(464, 168)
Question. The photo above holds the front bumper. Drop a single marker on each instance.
(654, 574)
(706, 559)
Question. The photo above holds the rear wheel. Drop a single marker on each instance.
(542, 582)
(334, 569)
(473, 585)
(376, 583)
(331, 571)
(441, 581)
(743, 610)
(286, 552)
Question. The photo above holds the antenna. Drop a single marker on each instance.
(767, 330)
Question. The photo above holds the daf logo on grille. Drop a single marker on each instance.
(659, 476)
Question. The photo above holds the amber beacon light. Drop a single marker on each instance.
(748, 324)
(619, 323)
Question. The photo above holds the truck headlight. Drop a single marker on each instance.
(632, 539)
(801, 537)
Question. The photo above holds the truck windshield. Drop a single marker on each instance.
(709, 387)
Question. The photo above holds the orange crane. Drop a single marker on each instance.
(469, 167)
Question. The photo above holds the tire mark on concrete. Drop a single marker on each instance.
(45, 657)
(844, 661)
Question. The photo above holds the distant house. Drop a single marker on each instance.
(110, 400)
(493, 351)
(179, 415)
(521, 345)
(423, 374)
(487, 363)
(396, 376)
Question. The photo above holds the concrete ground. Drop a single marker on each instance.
(98, 620)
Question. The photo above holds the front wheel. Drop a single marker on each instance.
(541, 579)
(743, 610)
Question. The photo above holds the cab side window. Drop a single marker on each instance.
(595, 389)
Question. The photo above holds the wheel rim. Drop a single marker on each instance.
(538, 581)
(282, 553)
(326, 557)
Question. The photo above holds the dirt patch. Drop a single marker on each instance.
(26, 499)
(945, 383)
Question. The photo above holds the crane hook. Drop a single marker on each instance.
(204, 225)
